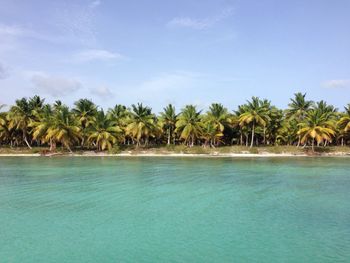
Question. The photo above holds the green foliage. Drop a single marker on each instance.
(142, 124)
(32, 122)
(115, 150)
(189, 124)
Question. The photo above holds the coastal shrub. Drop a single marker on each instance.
(115, 150)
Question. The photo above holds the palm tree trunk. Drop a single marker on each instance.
(253, 130)
(299, 139)
(241, 139)
(264, 136)
(342, 141)
(26, 141)
(51, 145)
(169, 136)
(312, 145)
(69, 149)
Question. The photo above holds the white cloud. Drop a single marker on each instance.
(56, 86)
(200, 24)
(95, 54)
(102, 92)
(337, 83)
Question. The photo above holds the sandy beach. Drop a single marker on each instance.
(152, 154)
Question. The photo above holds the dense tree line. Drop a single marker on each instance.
(32, 122)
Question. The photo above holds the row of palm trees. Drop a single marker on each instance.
(32, 122)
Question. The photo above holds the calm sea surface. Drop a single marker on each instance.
(174, 210)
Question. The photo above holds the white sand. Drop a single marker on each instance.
(145, 154)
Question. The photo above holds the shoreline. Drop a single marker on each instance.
(205, 155)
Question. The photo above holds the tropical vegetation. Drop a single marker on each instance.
(32, 122)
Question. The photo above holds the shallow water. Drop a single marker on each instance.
(174, 209)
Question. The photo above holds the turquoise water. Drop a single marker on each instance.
(174, 210)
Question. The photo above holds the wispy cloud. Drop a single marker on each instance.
(200, 24)
(189, 22)
(94, 4)
(168, 82)
(11, 30)
(161, 89)
(12, 34)
(55, 86)
(337, 83)
(78, 21)
(94, 55)
(3, 71)
(71, 24)
(102, 92)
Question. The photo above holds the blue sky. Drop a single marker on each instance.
(179, 52)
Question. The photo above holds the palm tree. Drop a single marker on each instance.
(218, 117)
(316, 126)
(344, 122)
(211, 134)
(64, 128)
(189, 124)
(32, 122)
(142, 124)
(286, 133)
(298, 109)
(5, 133)
(36, 104)
(270, 113)
(44, 120)
(104, 132)
(275, 122)
(2, 115)
(57, 105)
(236, 123)
(324, 108)
(329, 112)
(255, 114)
(299, 106)
(168, 120)
(118, 115)
(85, 111)
(19, 117)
